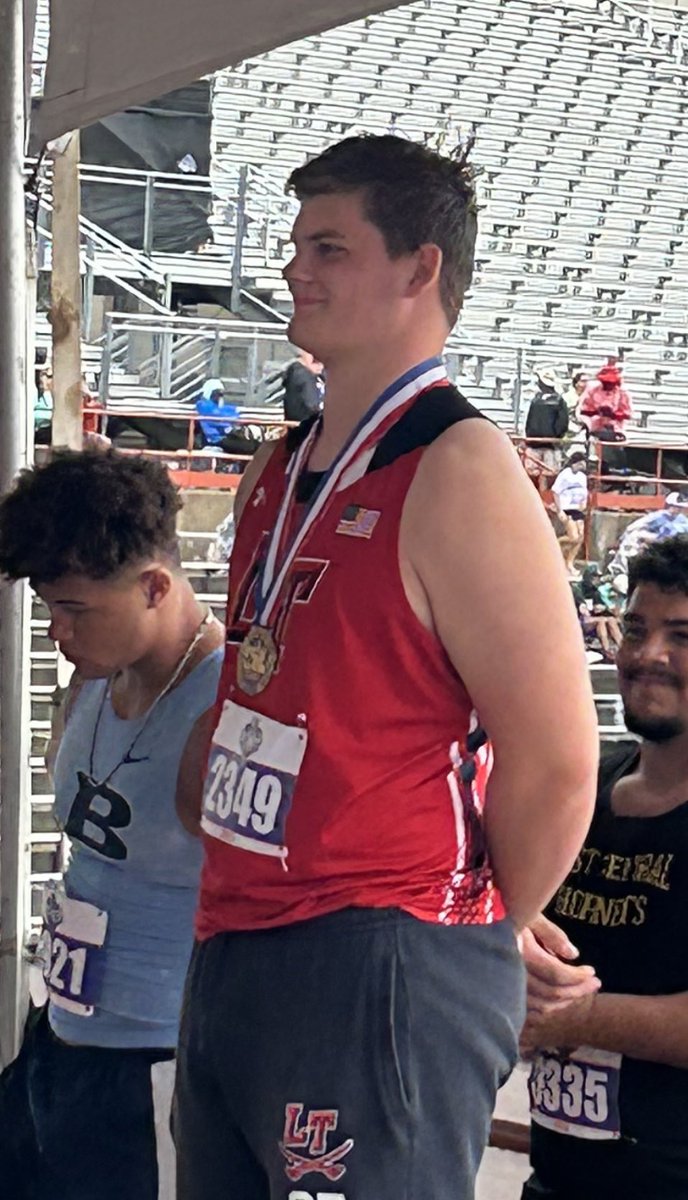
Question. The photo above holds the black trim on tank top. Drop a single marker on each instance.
(435, 411)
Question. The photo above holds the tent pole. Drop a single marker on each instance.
(65, 308)
(14, 800)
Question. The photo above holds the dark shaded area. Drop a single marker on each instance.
(634, 460)
(157, 137)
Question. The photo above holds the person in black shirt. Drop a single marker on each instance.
(609, 1040)
(548, 417)
(303, 387)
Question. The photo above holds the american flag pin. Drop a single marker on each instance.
(358, 522)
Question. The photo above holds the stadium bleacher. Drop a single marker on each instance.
(579, 112)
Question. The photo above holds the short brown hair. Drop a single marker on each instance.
(411, 194)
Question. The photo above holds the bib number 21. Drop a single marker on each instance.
(73, 938)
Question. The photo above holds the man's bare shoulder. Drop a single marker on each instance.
(470, 493)
(469, 453)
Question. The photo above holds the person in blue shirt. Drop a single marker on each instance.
(211, 403)
(224, 433)
(94, 532)
(653, 526)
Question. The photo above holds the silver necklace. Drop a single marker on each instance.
(128, 757)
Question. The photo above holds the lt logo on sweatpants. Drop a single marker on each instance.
(304, 1143)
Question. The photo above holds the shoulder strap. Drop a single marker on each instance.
(615, 761)
(435, 411)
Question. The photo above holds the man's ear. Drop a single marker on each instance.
(426, 270)
(156, 583)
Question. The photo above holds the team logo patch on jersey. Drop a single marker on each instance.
(304, 1143)
(358, 522)
(251, 738)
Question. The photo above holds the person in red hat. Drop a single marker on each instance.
(605, 405)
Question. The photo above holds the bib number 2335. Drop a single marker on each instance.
(578, 1094)
(253, 769)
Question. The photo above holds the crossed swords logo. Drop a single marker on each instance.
(328, 1164)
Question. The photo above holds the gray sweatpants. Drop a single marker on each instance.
(351, 1057)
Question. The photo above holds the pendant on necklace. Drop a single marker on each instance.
(257, 660)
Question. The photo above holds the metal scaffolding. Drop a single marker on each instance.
(14, 701)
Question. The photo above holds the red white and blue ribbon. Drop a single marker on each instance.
(373, 425)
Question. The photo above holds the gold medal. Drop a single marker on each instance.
(257, 660)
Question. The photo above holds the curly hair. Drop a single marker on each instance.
(664, 563)
(90, 512)
(412, 194)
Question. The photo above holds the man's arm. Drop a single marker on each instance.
(556, 495)
(588, 401)
(554, 974)
(624, 408)
(565, 1007)
(191, 774)
(483, 569)
(652, 1028)
(561, 424)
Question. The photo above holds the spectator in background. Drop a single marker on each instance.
(596, 589)
(211, 403)
(223, 433)
(91, 418)
(43, 407)
(43, 411)
(570, 492)
(572, 396)
(594, 612)
(547, 418)
(605, 405)
(303, 387)
(652, 527)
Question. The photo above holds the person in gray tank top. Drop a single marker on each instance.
(88, 1098)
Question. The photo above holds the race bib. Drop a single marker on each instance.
(253, 769)
(578, 1094)
(72, 951)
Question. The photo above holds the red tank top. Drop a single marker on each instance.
(386, 809)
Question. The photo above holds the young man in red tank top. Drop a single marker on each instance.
(355, 995)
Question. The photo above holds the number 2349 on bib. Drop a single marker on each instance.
(253, 769)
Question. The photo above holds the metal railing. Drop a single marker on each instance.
(103, 254)
(619, 488)
(173, 356)
(246, 205)
(608, 485)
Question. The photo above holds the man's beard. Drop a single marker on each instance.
(653, 729)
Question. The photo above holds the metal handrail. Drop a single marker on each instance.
(109, 244)
(191, 323)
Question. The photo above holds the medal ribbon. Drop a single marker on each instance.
(374, 423)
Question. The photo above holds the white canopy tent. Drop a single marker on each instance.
(104, 56)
